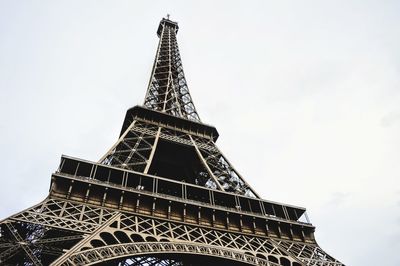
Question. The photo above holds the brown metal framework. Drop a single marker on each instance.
(164, 194)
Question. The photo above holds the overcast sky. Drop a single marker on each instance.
(305, 95)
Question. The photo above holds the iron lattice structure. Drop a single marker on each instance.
(164, 194)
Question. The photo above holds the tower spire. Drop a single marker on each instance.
(167, 90)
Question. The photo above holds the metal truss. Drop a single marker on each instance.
(112, 252)
(136, 146)
(168, 91)
(150, 261)
(164, 194)
(39, 236)
(133, 149)
(219, 167)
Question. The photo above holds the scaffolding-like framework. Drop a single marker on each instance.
(164, 194)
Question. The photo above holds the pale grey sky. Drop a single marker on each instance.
(305, 95)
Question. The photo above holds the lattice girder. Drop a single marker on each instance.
(167, 90)
(136, 147)
(164, 194)
(134, 235)
(22, 241)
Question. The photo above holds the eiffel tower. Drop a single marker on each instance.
(164, 194)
